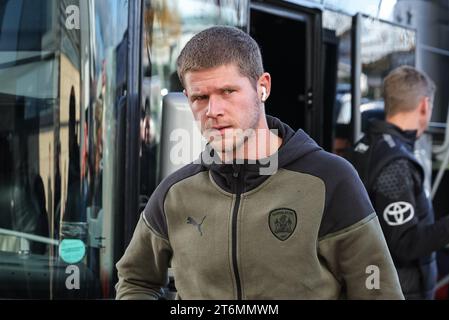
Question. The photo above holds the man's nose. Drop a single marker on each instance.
(215, 107)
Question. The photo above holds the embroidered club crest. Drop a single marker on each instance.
(282, 223)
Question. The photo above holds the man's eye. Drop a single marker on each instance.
(228, 91)
(199, 98)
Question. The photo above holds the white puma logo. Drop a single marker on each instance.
(194, 223)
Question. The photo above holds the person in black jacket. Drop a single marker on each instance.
(395, 181)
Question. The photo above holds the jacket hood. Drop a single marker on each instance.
(295, 145)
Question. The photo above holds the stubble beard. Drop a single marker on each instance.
(239, 137)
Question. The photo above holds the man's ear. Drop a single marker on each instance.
(265, 86)
(185, 93)
(425, 106)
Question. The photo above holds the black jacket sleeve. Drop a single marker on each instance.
(405, 213)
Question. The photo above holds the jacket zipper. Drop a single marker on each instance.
(237, 178)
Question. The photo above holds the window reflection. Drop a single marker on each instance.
(102, 169)
(384, 47)
(59, 145)
(337, 103)
(28, 74)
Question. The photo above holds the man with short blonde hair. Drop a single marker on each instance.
(404, 87)
(395, 180)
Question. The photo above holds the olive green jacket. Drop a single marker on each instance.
(307, 231)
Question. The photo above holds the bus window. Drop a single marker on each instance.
(337, 81)
(59, 90)
(384, 47)
(24, 105)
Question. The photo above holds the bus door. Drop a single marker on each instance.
(289, 36)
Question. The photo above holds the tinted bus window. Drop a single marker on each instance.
(28, 95)
(61, 75)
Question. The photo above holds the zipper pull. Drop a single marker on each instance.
(236, 172)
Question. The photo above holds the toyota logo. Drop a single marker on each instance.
(398, 213)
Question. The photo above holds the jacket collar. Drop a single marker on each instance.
(383, 127)
(294, 146)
